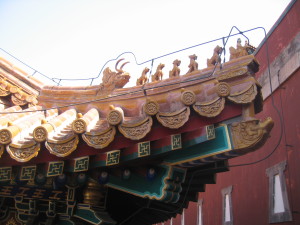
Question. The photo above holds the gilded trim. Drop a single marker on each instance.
(174, 120)
(136, 131)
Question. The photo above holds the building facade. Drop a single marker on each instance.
(262, 187)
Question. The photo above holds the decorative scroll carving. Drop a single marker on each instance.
(5, 136)
(245, 96)
(151, 108)
(23, 154)
(143, 78)
(232, 74)
(240, 50)
(79, 126)
(18, 101)
(193, 64)
(174, 120)
(251, 134)
(158, 74)
(64, 148)
(136, 131)
(114, 117)
(40, 134)
(210, 109)
(175, 72)
(215, 59)
(188, 97)
(223, 89)
(100, 140)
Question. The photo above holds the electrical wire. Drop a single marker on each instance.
(129, 52)
(179, 208)
(151, 60)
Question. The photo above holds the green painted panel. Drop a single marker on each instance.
(165, 186)
(87, 215)
(206, 149)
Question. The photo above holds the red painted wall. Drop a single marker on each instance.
(250, 194)
(280, 37)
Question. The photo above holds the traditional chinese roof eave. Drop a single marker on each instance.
(111, 142)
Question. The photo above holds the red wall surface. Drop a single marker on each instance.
(250, 194)
(283, 34)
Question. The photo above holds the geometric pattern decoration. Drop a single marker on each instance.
(144, 149)
(28, 173)
(176, 141)
(81, 164)
(113, 157)
(55, 168)
(210, 132)
(5, 173)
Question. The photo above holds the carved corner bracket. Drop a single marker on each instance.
(251, 134)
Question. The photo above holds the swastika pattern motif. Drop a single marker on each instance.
(28, 173)
(176, 141)
(144, 149)
(210, 132)
(113, 157)
(81, 164)
(55, 168)
(5, 173)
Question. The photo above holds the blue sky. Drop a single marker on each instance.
(74, 38)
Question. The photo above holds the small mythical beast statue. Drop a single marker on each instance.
(175, 72)
(158, 74)
(193, 64)
(143, 78)
(216, 57)
(112, 80)
(240, 50)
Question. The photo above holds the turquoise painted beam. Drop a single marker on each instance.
(165, 186)
(220, 144)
